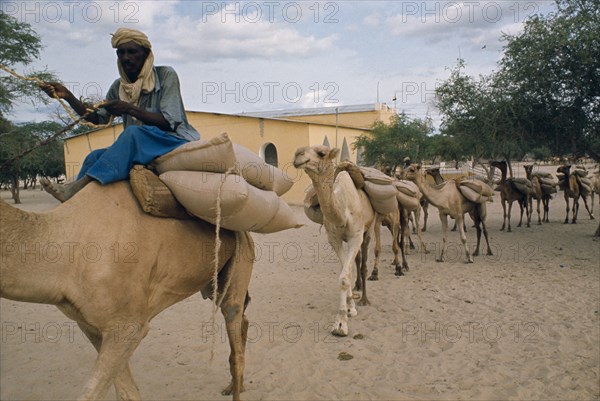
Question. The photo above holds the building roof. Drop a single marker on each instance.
(356, 108)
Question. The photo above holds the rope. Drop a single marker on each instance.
(72, 115)
(215, 279)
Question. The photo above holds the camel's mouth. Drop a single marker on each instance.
(300, 164)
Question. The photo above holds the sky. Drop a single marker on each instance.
(249, 56)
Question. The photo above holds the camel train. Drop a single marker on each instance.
(172, 258)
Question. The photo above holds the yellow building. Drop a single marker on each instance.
(273, 135)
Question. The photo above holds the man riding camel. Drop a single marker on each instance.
(148, 98)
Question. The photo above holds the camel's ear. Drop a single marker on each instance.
(334, 153)
(321, 150)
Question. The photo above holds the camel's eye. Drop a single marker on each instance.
(321, 153)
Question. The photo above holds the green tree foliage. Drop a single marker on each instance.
(46, 160)
(480, 116)
(19, 45)
(387, 144)
(546, 92)
(552, 71)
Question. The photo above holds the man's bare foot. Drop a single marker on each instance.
(64, 192)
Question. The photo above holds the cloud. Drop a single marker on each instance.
(212, 39)
(446, 20)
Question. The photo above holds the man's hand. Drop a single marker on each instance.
(118, 107)
(54, 89)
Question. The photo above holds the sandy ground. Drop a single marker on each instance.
(522, 324)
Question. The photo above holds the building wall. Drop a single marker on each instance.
(254, 133)
(77, 148)
(364, 119)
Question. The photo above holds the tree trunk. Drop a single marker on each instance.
(14, 189)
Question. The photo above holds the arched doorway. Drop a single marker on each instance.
(269, 154)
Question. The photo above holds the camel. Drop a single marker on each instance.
(434, 172)
(541, 193)
(572, 189)
(511, 190)
(414, 213)
(347, 216)
(450, 202)
(108, 265)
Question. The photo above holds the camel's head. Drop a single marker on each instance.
(565, 169)
(499, 164)
(433, 171)
(315, 158)
(413, 172)
(528, 168)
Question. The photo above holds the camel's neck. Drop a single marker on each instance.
(433, 195)
(331, 206)
(503, 172)
(30, 262)
(438, 179)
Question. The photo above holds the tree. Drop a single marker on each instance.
(546, 92)
(387, 144)
(552, 70)
(46, 160)
(480, 117)
(20, 46)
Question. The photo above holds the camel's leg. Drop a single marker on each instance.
(546, 203)
(125, 386)
(444, 220)
(482, 208)
(476, 221)
(364, 251)
(522, 209)
(395, 230)
(375, 273)
(425, 216)
(233, 306)
(358, 282)
(508, 216)
(411, 244)
(403, 231)
(529, 209)
(463, 237)
(575, 210)
(346, 302)
(591, 213)
(421, 243)
(503, 201)
(567, 210)
(115, 351)
(538, 211)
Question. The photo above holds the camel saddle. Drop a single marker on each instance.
(376, 185)
(154, 197)
(475, 190)
(522, 185)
